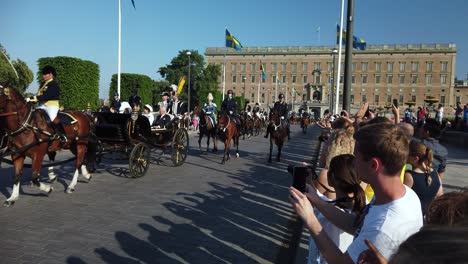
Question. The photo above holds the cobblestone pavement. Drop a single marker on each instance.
(201, 212)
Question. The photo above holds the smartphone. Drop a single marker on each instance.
(395, 102)
(299, 178)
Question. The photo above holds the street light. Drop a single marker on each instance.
(188, 87)
(243, 81)
(337, 97)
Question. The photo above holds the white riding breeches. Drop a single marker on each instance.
(51, 110)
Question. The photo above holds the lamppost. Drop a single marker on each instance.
(243, 87)
(188, 88)
(332, 87)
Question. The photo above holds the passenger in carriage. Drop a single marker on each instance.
(115, 105)
(125, 108)
(177, 107)
(148, 112)
(48, 97)
(164, 103)
(164, 118)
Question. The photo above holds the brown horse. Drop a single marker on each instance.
(227, 131)
(30, 135)
(305, 121)
(278, 133)
(206, 127)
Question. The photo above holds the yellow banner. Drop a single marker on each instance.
(181, 84)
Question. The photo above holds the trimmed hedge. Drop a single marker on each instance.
(129, 81)
(78, 80)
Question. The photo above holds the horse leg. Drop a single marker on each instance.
(199, 141)
(18, 164)
(271, 150)
(236, 141)
(228, 148)
(215, 143)
(51, 173)
(80, 151)
(36, 173)
(280, 146)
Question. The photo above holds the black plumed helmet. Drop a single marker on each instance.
(281, 96)
(230, 92)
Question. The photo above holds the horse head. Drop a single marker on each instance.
(275, 117)
(8, 95)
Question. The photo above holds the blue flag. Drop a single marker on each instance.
(232, 42)
(133, 3)
(358, 43)
(264, 75)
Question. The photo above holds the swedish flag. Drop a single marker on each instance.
(232, 42)
(358, 43)
(264, 75)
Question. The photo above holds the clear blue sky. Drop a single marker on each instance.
(154, 33)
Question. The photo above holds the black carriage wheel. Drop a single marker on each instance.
(180, 145)
(139, 160)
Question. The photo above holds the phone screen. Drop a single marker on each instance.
(299, 178)
(395, 102)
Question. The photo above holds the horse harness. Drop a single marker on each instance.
(27, 125)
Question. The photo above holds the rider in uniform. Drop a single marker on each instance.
(48, 97)
(230, 106)
(210, 108)
(256, 110)
(282, 108)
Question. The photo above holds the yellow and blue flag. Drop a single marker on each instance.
(358, 43)
(262, 68)
(232, 42)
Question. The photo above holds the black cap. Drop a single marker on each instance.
(165, 94)
(49, 69)
(116, 94)
(230, 92)
(280, 96)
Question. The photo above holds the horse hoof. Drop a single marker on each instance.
(278, 160)
(214, 150)
(53, 180)
(89, 179)
(8, 203)
(269, 160)
(92, 170)
(70, 190)
(237, 155)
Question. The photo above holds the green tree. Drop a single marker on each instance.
(203, 80)
(25, 75)
(8, 75)
(129, 81)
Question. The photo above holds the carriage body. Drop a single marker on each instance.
(132, 134)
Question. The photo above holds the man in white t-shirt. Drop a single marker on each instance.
(392, 216)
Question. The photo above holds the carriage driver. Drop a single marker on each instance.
(282, 108)
(230, 105)
(210, 108)
(48, 97)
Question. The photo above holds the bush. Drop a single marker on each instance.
(129, 81)
(78, 80)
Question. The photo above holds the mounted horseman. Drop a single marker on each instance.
(229, 106)
(281, 107)
(48, 99)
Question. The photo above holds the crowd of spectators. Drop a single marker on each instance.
(378, 197)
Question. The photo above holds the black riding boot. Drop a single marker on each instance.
(59, 130)
(267, 131)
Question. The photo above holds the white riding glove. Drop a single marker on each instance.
(230, 112)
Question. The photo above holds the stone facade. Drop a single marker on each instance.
(380, 73)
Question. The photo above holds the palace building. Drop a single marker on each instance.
(305, 75)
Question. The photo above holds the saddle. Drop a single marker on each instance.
(65, 119)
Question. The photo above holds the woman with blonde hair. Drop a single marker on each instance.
(424, 180)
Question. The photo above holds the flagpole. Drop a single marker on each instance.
(119, 48)
(224, 64)
(259, 83)
(318, 29)
(340, 47)
(276, 90)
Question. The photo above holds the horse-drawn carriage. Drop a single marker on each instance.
(132, 134)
